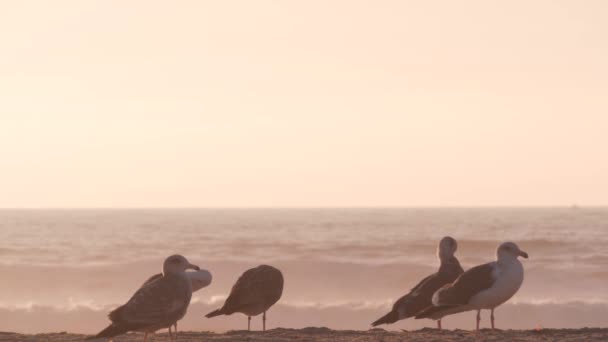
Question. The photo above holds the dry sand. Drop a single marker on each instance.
(324, 334)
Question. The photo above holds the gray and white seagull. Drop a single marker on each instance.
(482, 287)
(419, 297)
(157, 305)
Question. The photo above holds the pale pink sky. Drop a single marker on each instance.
(303, 103)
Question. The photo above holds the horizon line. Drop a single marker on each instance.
(572, 206)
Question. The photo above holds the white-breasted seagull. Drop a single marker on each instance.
(482, 287)
(155, 306)
(419, 297)
(254, 293)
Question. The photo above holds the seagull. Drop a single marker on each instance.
(482, 287)
(198, 280)
(254, 293)
(419, 297)
(157, 305)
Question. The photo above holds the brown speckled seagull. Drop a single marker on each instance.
(156, 305)
(198, 280)
(254, 293)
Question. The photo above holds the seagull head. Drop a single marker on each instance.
(447, 247)
(509, 251)
(176, 264)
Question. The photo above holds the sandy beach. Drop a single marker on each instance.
(325, 334)
(274, 171)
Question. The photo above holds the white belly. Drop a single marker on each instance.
(508, 280)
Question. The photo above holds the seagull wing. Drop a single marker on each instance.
(422, 282)
(466, 286)
(163, 301)
(152, 278)
(260, 285)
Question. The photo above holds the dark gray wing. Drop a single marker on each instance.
(152, 278)
(421, 283)
(160, 303)
(467, 285)
(449, 270)
(419, 298)
(259, 285)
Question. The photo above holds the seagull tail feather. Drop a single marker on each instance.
(111, 331)
(215, 313)
(390, 317)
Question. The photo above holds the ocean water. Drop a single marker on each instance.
(64, 270)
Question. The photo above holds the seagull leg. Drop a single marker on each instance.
(264, 321)
(478, 319)
(492, 318)
(248, 323)
(171, 334)
(439, 324)
(175, 328)
(145, 337)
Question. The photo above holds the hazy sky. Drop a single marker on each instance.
(303, 103)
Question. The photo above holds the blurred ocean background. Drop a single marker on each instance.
(64, 270)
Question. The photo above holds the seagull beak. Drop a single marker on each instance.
(523, 254)
(193, 267)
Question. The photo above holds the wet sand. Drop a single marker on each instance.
(324, 334)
